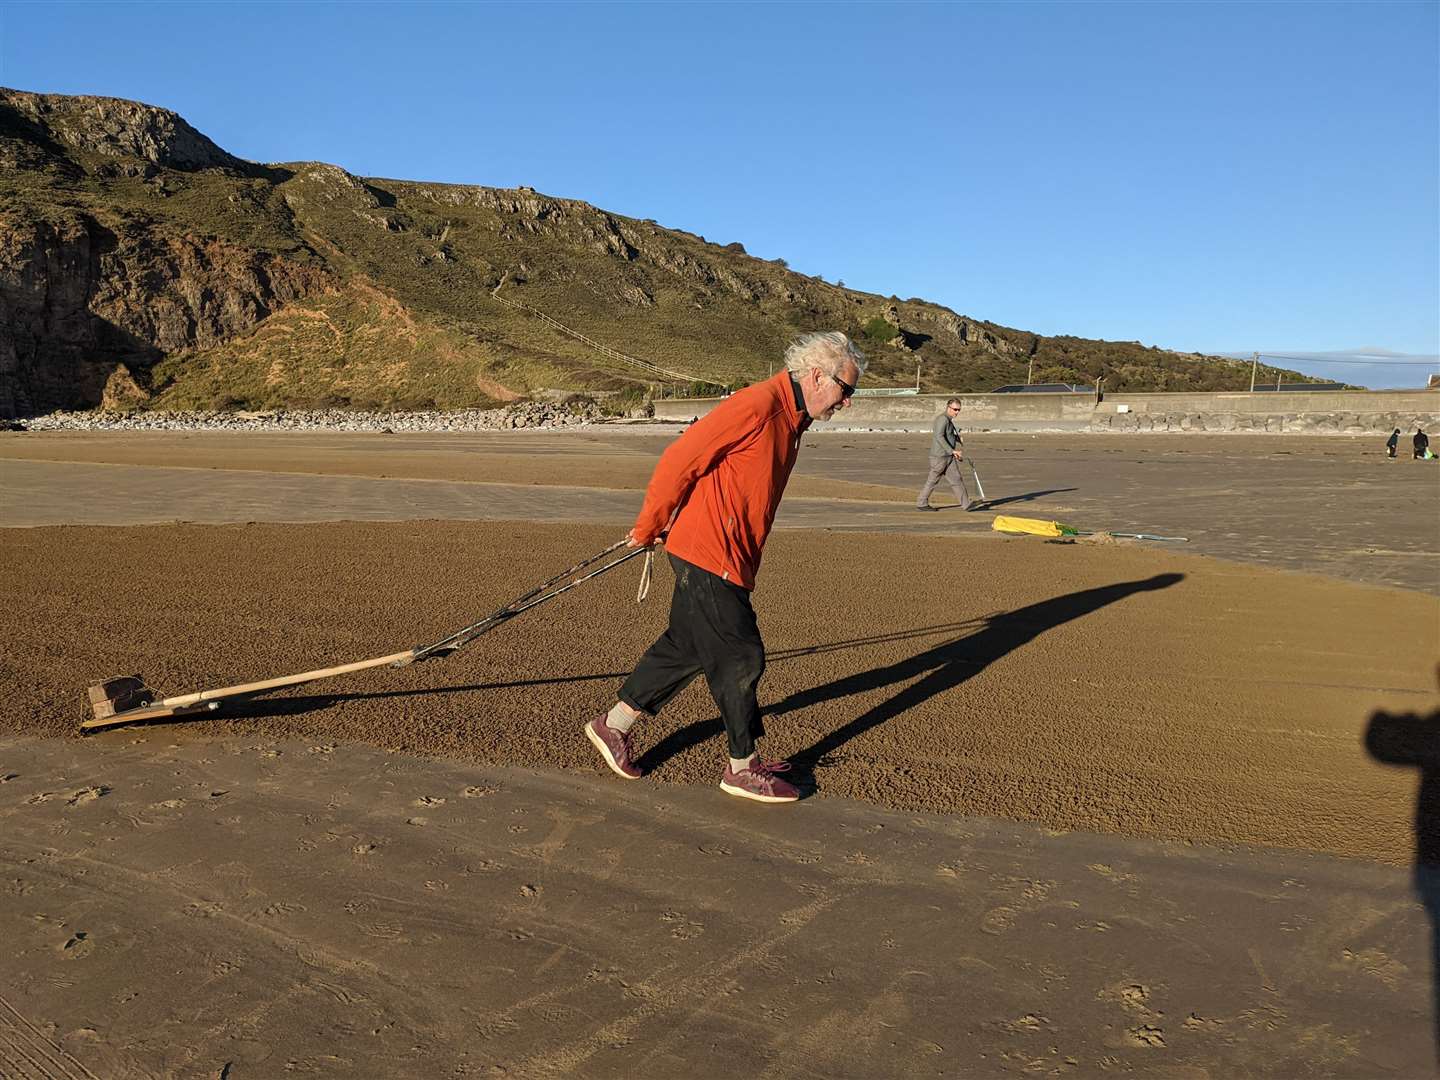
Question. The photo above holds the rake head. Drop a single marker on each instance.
(126, 699)
(120, 695)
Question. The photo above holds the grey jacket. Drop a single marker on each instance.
(947, 439)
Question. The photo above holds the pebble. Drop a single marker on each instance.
(529, 414)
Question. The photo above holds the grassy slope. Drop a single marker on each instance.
(410, 321)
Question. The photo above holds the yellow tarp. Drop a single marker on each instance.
(1034, 526)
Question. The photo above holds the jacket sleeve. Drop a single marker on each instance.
(726, 428)
(938, 443)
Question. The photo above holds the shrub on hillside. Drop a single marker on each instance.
(878, 331)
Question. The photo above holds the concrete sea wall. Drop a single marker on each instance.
(1338, 412)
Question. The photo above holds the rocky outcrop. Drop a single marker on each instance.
(78, 300)
(113, 127)
(582, 225)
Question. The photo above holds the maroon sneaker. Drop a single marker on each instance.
(614, 747)
(760, 783)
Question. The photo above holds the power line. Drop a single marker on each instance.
(1377, 363)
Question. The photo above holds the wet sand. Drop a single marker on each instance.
(1330, 505)
(1099, 741)
(257, 909)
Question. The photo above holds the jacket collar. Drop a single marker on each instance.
(801, 416)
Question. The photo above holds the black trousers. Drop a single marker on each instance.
(712, 630)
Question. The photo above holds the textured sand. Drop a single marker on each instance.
(425, 871)
(1083, 687)
(251, 909)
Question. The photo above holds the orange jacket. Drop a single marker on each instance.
(725, 477)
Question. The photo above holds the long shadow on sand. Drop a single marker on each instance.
(255, 708)
(1414, 740)
(937, 670)
(990, 504)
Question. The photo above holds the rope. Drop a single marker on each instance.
(645, 571)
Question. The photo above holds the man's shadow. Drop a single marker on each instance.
(255, 708)
(1414, 740)
(937, 670)
(990, 504)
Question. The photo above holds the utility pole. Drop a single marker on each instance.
(1254, 362)
(917, 374)
(1030, 372)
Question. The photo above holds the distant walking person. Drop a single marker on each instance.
(947, 450)
(712, 500)
(1422, 443)
(1392, 442)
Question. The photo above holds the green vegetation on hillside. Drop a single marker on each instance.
(299, 284)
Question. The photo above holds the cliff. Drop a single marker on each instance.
(142, 265)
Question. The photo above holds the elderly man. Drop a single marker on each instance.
(947, 450)
(711, 500)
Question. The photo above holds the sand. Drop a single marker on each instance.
(259, 909)
(1332, 505)
(1122, 690)
(1072, 807)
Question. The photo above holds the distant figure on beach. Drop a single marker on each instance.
(1422, 444)
(712, 499)
(1392, 442)
(947, 450)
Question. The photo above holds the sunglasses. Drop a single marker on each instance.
(847, 389)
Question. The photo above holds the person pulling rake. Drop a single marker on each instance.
(712, 501)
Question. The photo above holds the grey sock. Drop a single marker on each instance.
(737, 764)
(620, 717)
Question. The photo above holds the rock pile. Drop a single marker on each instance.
(525, 414)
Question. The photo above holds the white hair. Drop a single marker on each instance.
(829, 351)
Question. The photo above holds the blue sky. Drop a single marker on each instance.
(1215, 177)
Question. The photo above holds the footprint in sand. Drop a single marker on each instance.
(998, 920)
(429, 800)
(474, 791)
(1027, 1023)
(1135, 995)
(682, 927)
(77, 946)
(1146, 1035)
